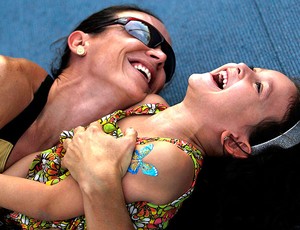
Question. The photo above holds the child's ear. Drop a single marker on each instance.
(236, 147)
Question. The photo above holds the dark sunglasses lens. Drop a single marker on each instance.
(170, 63)
(139, 30)
(146, 34)
(152, 38)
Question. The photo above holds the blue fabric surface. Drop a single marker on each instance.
(205, 34)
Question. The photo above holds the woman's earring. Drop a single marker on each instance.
(81, 51)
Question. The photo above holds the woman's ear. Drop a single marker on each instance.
(236, 147)
(77, 42)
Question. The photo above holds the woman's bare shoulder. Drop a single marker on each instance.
(24, 69)
(19, 79)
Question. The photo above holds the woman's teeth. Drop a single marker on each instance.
(144, 71)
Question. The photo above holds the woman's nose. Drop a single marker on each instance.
(157, 54)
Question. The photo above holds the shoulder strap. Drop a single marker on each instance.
(15, 128)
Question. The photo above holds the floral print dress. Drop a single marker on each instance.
(46, 168)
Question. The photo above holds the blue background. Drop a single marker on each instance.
(205, 34)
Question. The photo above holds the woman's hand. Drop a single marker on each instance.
(93, 152)
(98, 162)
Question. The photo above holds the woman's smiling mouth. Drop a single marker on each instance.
(145, 71)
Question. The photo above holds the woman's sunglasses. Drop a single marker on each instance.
(151, 37)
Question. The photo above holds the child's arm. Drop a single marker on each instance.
(37, 200)
(40, 201)
(20, 168)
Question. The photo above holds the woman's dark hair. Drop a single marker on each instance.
(91, 25)
(265, 131)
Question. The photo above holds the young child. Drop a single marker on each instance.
(218, 115)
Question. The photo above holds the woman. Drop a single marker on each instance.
(89, 83)
(219, 114)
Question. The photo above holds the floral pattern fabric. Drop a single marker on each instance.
(46, 168)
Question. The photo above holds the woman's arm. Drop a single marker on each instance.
(99, 168)
(19, 79)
